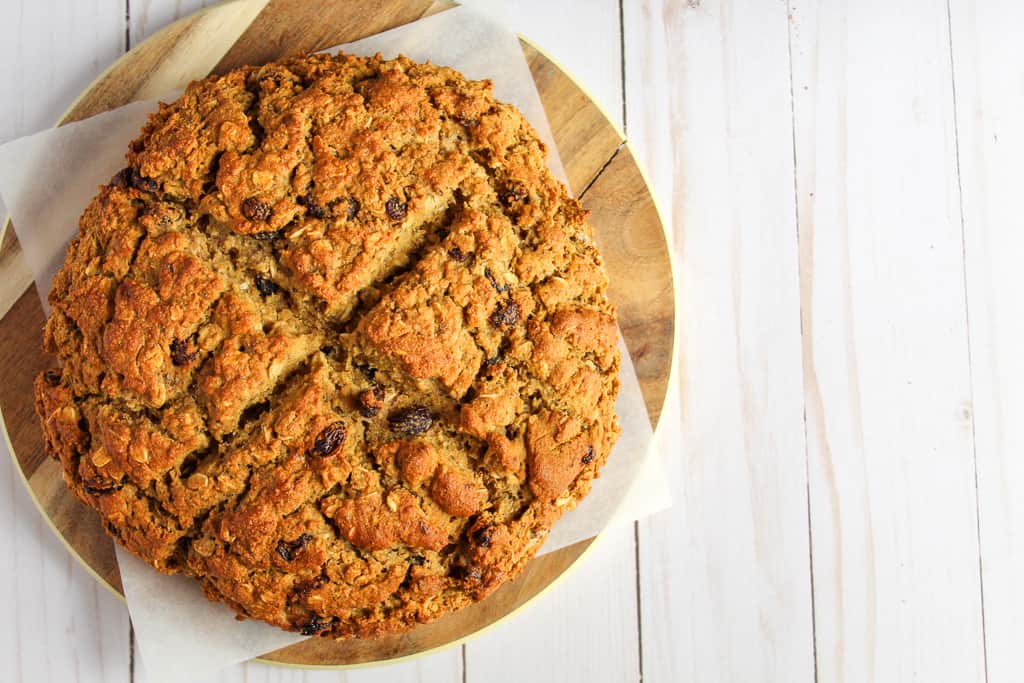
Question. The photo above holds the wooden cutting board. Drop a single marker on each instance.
(601, 169)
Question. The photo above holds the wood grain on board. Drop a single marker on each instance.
(585, 138)
(288, 26)
(626, 223)
(16, 276)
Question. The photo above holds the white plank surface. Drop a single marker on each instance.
(581, 35)
(724, 574)
(988, 61)
(146, 17)
(61, 626)
(583, 629)
(50, 51)
(891, 472)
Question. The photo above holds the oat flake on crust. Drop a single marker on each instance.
(334, 343)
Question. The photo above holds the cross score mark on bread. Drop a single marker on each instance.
(335, 343)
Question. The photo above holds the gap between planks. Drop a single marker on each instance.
(807, 454)
(967, 324)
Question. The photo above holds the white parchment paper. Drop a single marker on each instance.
(47, 179)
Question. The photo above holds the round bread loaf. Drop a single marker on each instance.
(335, 343)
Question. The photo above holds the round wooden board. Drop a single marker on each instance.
(601, 170)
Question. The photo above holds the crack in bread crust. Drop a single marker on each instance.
(335, 343)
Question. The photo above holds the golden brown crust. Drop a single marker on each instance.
(334, 343)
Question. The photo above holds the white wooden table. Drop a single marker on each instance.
(844, 182)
